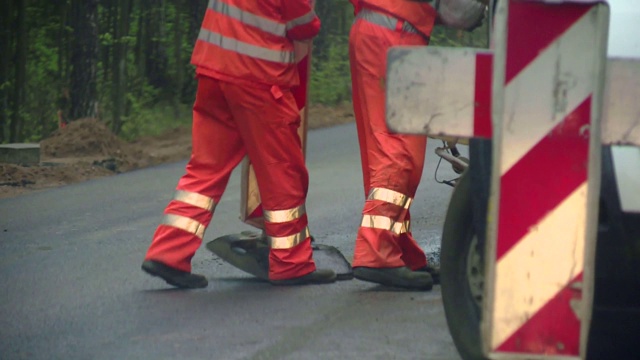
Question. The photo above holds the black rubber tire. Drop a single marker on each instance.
(461, 310)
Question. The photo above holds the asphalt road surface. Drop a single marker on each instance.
(72, 288)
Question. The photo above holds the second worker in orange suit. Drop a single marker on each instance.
(245, 63)
(385, 250)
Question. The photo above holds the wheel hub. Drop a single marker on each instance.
(475, 272)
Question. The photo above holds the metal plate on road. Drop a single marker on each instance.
(249, 252)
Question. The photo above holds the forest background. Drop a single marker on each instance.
(126, 63)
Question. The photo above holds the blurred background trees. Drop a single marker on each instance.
(126, 62)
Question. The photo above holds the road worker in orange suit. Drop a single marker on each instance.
(385, 250)
(245, 63)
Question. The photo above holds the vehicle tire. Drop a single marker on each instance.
(462, 272)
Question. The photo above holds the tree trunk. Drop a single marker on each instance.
(196, 10)
(62, 41)
(120, 64)
(106, 49)
(179, 66)
(84, 59)
(20, 73)
(63, 100)
(140, 56)
(5, 56)
(157, 60)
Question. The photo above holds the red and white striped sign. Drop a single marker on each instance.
(546, 107)
(546, 166)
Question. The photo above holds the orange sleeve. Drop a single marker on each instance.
(302, 21)
(356, 6)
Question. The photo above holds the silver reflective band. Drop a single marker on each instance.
(304, 19)
(390, 196)
(407, 225)
(280, 216)
(184, 223)
(285, 57)
(195, 199)
(385, 223)
(245, 17)
(287, 242)
(386, 21)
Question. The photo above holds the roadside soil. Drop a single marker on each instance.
(86, 149)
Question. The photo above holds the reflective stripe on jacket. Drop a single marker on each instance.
(419, 14)
(253, 39)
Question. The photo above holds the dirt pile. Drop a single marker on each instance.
(87, 149)
(92, 141)
(82, 138)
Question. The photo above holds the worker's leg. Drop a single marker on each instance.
(393, 161)
(216, 150)
(268, 121)
(359, 109)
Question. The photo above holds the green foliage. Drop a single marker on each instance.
(40, 117)
(330, 78)
(154, 120)
(447, 37)
(158, 44)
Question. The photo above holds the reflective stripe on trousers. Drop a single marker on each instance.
(276, 221)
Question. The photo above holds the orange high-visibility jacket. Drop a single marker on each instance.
(253, 40)
(356, 6)
(419, 14)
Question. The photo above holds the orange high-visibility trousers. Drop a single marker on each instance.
(391, 164)
(231, 120)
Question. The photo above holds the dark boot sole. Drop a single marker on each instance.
(435, 273)
(379, 276)
(310, 279)
(177, 278)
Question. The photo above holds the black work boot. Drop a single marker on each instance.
(320, 276)
(433, 271)
(401, 277)
(175, 277)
